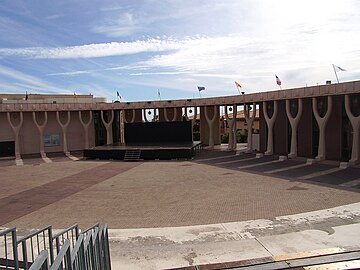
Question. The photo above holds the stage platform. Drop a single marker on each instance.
(144, 151)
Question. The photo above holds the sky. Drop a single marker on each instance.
(141, 47)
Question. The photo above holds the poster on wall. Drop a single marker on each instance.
(51, 139)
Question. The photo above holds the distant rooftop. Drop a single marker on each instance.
(40, 98)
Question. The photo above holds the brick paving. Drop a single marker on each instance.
(30, 200)
(337, 179)
(152, 194)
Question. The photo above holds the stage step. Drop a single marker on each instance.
(132, 155)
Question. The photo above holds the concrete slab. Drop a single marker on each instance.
(344, 237)
(159, 248)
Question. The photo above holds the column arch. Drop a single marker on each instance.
(294, 122)
(132, 116)
(167, 117)
(64, 127)
(232, 127)
(211, 124)
(86, 127)
(108, 125)
(16, 129)
(145, 115)
(41, 128)
(249, 123)
(321, 121)
(270, 121)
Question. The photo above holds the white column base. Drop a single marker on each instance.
(259, 155)
(283, 158)
(310, 161)
(19, 162)
(344, 165)
(353, 162)
(292, 155)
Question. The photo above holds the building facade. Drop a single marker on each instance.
(319, 122)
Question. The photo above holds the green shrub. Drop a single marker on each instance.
(225, 138)
(196, 136)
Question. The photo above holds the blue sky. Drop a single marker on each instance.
(136, 47)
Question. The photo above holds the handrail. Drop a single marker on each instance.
(89, 252)
(63, 257)
(41, 262)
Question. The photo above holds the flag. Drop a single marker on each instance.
(26, 96)
(118, 95)
(277, 80)
(201, 88)
(337, 68)
(237, 84)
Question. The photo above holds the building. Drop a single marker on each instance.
(319, 122)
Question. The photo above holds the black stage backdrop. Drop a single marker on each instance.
(158, 132)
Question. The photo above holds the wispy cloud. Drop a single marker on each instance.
(95, 50)
(29, 82)
(54, 16)
(71, 73)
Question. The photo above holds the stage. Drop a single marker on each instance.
(144, 151)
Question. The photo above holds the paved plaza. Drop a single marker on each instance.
(164, 198)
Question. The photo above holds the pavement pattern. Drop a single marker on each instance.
(235, 206)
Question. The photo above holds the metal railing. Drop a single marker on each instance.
(71, 234)
(30, 247)
(67, 250)
(8, 249)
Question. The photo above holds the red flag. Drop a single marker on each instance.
(278, 80)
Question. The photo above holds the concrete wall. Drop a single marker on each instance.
(281, 130)
(333, 130)
(305, 130)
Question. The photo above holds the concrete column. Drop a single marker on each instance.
(270, 125)
(232, 127)
(122, 127)
(294, 121)
(322, 121)
(211, 124)
(108, 126)
(41, 128)
(185, 113)
(249, 123)
(194, 118)
(355, 122)
(64, 130)
(166, 114)
(155, 114)
(145, 116)
(86, 127)
(16, 130)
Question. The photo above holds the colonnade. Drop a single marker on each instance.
(322, 109)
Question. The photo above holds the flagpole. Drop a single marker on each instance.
(199, 93)
(335, 73)
(238, 89)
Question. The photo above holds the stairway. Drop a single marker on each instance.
(132, 155)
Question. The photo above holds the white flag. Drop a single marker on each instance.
(337, 68)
